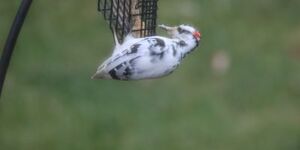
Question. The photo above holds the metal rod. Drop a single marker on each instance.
(12, 39)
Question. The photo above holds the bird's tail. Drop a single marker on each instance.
(98, 75)
(100, 72)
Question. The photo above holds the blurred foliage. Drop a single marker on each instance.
(49, 101)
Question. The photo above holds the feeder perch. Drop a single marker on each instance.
(130, 16)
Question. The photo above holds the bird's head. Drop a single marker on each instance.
(182, 32)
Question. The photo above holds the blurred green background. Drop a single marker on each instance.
(239, 90)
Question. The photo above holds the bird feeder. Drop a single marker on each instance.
(130, 16)
(137, 17)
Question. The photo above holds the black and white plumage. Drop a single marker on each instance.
(149, 57)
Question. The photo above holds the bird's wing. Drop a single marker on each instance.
(128, 40)
(124, 63)
(145, 47)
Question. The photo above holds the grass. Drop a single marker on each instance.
(49, 101)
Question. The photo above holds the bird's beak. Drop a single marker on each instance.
(170, 30)
(197, 35)
(167, 28)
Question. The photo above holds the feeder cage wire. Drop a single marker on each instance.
(130, 16)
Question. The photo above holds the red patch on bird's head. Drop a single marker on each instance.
(197, 35)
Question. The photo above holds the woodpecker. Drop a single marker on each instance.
(150, 57)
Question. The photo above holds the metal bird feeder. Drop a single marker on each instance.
(124, 16)
(130, 16)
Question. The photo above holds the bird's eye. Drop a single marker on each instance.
(180, 30)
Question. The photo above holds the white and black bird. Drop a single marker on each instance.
(149, 57)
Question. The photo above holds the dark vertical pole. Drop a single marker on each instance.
(11, 39)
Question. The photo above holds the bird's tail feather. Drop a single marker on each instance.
(100, 72)
(98, 76)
